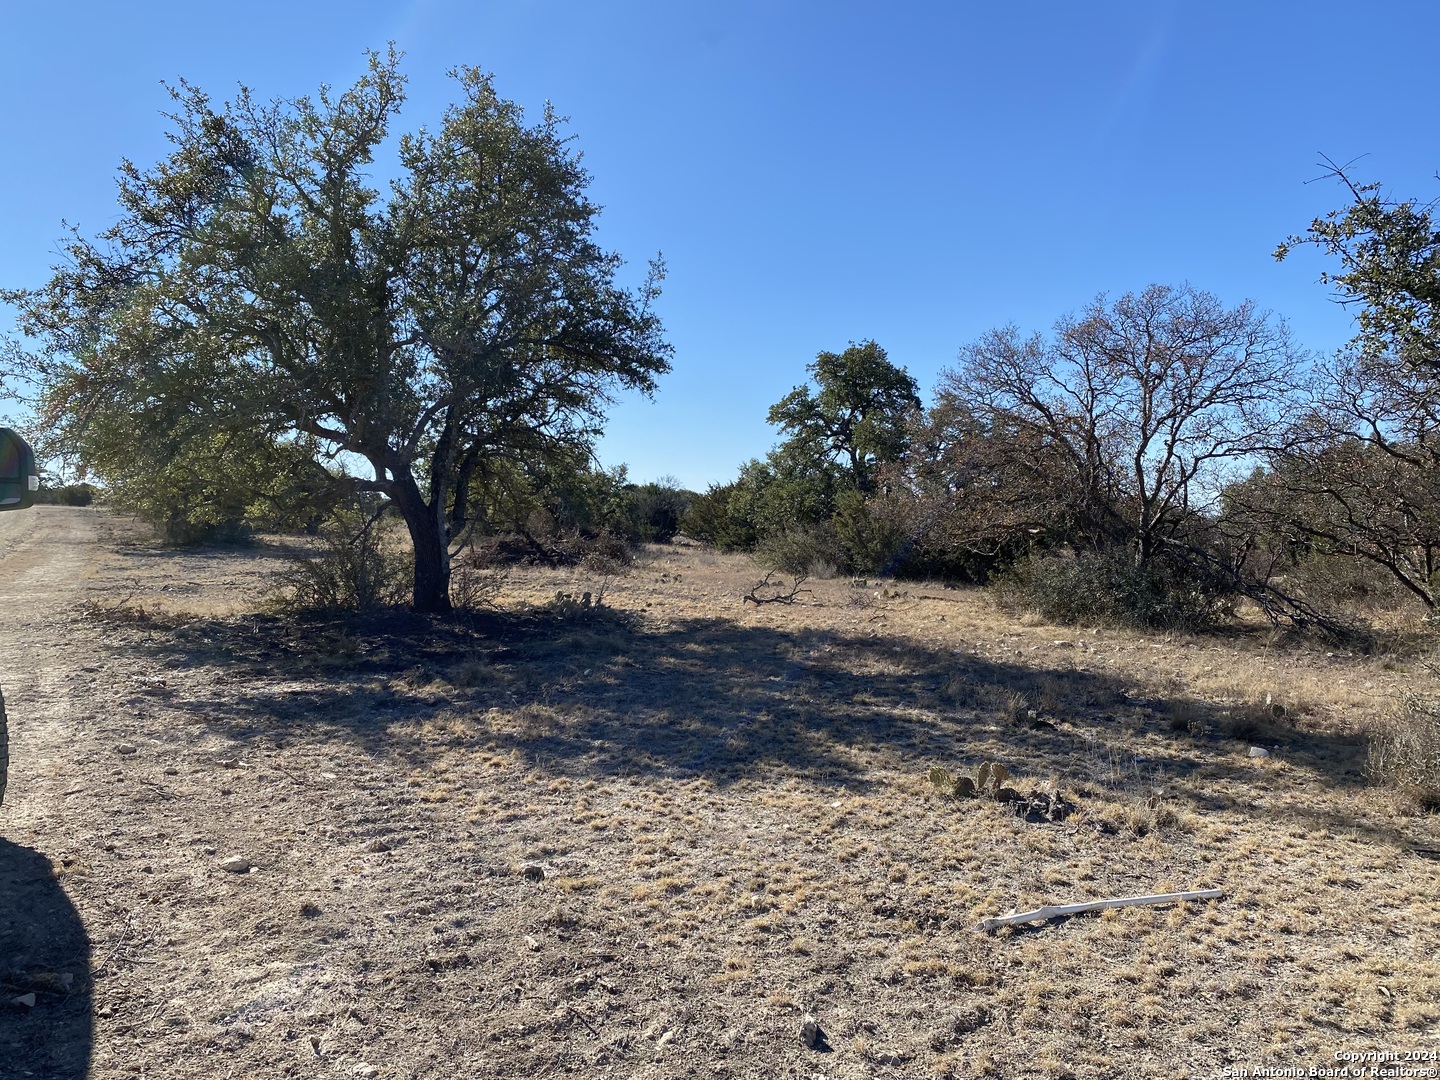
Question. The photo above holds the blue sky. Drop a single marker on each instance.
(815, 173)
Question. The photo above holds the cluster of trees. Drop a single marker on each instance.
(263, 334)
(1168, 453)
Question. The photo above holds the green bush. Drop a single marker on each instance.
(657, 510)
(718, 517)
(814, 552)
(870, 541)
(67, 495)
(1111, 589)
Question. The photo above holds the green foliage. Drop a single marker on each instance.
(1389, 256)
(67, 495)
(204, 488)
(856, 418)
(257, 281)
(657, 508)
(869, 540)
(1112, 589)
(719, 517)
(582, 500)
(813, 551)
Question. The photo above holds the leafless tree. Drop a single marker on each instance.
(1147, 406)
(1359, 476)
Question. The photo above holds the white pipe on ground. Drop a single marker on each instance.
(1054, 911)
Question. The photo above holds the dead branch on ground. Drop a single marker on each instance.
(766, 591)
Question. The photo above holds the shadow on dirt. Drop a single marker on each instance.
(601, 693)
(45, 1022)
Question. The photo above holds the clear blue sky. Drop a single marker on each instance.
(814, 173)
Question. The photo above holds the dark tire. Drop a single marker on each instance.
(4, 748)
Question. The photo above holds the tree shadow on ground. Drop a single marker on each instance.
(596, 692)
(267, 547)
(45, 1019)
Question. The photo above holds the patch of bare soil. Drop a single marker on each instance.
(649, 840)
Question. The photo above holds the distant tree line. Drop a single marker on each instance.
(1156, 459)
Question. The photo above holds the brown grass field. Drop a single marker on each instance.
(730, 816)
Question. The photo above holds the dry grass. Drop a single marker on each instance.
(732, 808)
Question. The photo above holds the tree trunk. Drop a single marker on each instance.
(432, 547)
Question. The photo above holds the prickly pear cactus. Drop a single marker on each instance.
(988, 781)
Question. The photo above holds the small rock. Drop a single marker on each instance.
(532, 872)
(665, 1039)
(364, 1069)
(811, 1034)
(377, 845)
(309, 910)
(531, 943)
(227, 791)
(236, 864)
(1259, 752)
(229, 763)
(171, 771)
(125, 748)
(28, 1000)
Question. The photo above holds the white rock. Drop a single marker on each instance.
(1259, 752)
(28, 1000)
(236, 864)
(364, 1069)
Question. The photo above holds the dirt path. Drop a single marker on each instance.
(48, 558)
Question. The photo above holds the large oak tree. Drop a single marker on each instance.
(258, 281)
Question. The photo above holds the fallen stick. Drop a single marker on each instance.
(1055, 911)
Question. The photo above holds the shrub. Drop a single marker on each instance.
(355, 571)
(605, 553)
(1348, 586)
(1110, 588)
(187, 532)
(473, 586)
(1406, 754)
(657, 509)
(67, 495)
(814, 552)
(717, 517)
(870, 541)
